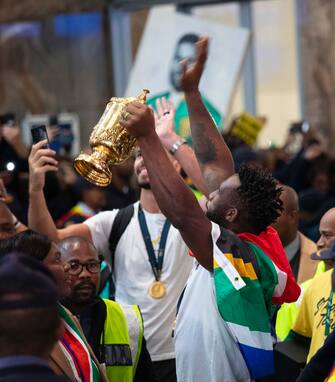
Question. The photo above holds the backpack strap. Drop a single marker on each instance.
(121, 221)
(105, 277)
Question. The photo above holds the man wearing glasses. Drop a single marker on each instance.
(114, 331)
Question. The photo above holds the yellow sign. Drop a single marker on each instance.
(247, 128)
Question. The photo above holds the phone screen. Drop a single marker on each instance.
(39, 133)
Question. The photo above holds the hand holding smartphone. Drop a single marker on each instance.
(39, 133)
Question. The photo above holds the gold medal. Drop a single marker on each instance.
(157, 289)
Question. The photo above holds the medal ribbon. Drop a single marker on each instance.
(329, 305)
(156, 264)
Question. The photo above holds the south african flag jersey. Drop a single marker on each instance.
(251, 273)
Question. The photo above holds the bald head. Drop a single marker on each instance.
(75, 246)
(287, 223)
(327, 229)
(7, 228)
(289, 198)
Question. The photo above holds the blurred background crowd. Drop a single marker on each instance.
(302, 162)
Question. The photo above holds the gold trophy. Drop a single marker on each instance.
(110, 143)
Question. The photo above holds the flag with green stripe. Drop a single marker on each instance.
(245, 279)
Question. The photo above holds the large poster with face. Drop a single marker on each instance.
(169, 37)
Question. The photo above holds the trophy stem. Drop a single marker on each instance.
(96, 168)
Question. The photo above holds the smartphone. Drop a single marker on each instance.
(39, 133)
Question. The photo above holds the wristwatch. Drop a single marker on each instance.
(176, 146)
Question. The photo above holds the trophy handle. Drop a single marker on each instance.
(143, 96)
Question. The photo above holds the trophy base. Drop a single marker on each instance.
(95, 167)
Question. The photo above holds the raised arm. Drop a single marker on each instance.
(213, 154)
(164, 121)
(39, 219)
(174, 198)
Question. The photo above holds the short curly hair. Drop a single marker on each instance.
(259, 195)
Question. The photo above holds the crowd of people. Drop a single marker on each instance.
(205, 263)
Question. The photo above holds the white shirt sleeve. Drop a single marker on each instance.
(100, 226)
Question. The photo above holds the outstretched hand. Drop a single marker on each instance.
(164, 121)
(138, 119)
(190, 76)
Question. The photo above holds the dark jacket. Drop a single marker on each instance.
(321, 364)
(32, 372)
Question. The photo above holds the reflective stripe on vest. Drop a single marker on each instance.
(123, 333)
(135, 330)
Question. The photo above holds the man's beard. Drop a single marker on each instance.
(83, 300)
(216, 218)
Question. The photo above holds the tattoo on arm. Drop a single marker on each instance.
(204, 147)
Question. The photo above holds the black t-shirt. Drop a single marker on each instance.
(321, 364)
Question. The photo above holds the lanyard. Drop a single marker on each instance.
(156, 264)
(329, 306)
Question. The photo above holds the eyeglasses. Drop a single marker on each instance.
(76, 267)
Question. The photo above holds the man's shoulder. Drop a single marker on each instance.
(320, 278)
(227, 240)
(108, 216)
(234, 246)
(319, 286)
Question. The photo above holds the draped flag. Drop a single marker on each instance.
(287, 289)
(246, 279)
(76, 350)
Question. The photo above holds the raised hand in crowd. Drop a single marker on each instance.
(213, 154)
(41, 161)
(191, 75)
(176, 145)
(164, 122)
